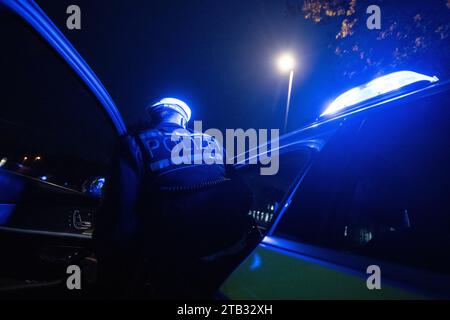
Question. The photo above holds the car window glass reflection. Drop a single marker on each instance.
(46, 111)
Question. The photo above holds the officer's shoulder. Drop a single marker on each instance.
(149, 133)
(152, 133)
(201, 134)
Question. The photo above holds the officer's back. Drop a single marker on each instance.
(184, 215)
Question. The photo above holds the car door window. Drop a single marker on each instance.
(269, 191)
(51, 126)
(381, 188)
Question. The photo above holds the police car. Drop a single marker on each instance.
(361, 206)
(48, 199)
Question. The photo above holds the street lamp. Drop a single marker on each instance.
(286, 63)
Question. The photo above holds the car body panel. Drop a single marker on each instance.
(274, 273)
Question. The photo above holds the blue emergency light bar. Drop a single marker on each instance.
(375, 88)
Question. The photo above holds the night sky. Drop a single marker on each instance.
(219, 56)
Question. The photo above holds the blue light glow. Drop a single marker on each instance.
(96, 187)
(5, 212)
(374, 88)
(44, 178)
(256, 263)
(181, 105)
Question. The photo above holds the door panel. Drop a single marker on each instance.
(273, 273)
(55, 138)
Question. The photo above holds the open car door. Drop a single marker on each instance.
(50, 183)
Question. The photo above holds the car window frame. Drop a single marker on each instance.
(36, 18)
(312, 145)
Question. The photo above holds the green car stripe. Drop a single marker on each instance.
(270, 274)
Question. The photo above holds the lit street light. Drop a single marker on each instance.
(286, 63)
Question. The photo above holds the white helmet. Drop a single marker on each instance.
(175, 104)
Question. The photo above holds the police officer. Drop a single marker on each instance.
(171, 224)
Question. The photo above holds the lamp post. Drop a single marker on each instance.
(286, 63)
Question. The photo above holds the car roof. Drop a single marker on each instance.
(414, 93)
